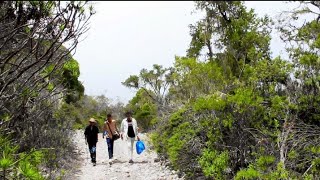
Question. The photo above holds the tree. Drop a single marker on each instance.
(38, 73)
(303, 47)
(156, 80)
(239, 36)
(144, 109)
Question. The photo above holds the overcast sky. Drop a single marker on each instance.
(127, 36)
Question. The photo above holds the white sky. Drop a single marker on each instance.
(127, 36)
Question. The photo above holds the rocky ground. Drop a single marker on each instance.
(145, 166)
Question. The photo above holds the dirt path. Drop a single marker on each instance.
(143, 168)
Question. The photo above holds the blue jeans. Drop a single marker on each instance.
(92, 149)
(110, 143)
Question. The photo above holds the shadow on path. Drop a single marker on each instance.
(140, 162)
(127, 162)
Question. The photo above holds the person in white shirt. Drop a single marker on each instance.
(129, 130)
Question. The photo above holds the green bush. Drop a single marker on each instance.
(248, 174)
(14, 165)
(182, 134)
(264, 162)
(155, 140)
(214, 164)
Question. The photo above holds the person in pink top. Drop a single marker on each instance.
(109, 130)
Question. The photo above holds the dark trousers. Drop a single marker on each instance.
(92, 149)
(110, 143)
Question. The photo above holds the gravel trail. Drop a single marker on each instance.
(143, 168)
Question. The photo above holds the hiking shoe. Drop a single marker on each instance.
(130, 161)
(94, 164)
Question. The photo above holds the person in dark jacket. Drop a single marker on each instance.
(91, 135)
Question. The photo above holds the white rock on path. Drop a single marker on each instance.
(143, 168)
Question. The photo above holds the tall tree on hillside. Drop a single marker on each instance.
(156, 80)
(231, 34)
(303, 46)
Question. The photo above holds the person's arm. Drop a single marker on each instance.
(85, 135)
(137, 129)
(121, 130)
(104, 130)
(115, 124)
(108, 130)
(97, 133)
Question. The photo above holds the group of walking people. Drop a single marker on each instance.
(128, 132)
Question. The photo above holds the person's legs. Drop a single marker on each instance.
(109, 142)
(92, 149)
(130, 148)
(112, 146)
(132, 143)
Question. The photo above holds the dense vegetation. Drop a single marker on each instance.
(94, 106)
(228, 109)
(38, 78)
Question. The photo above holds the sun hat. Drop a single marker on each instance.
(92, 120)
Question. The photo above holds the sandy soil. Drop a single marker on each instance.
(143, 168)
